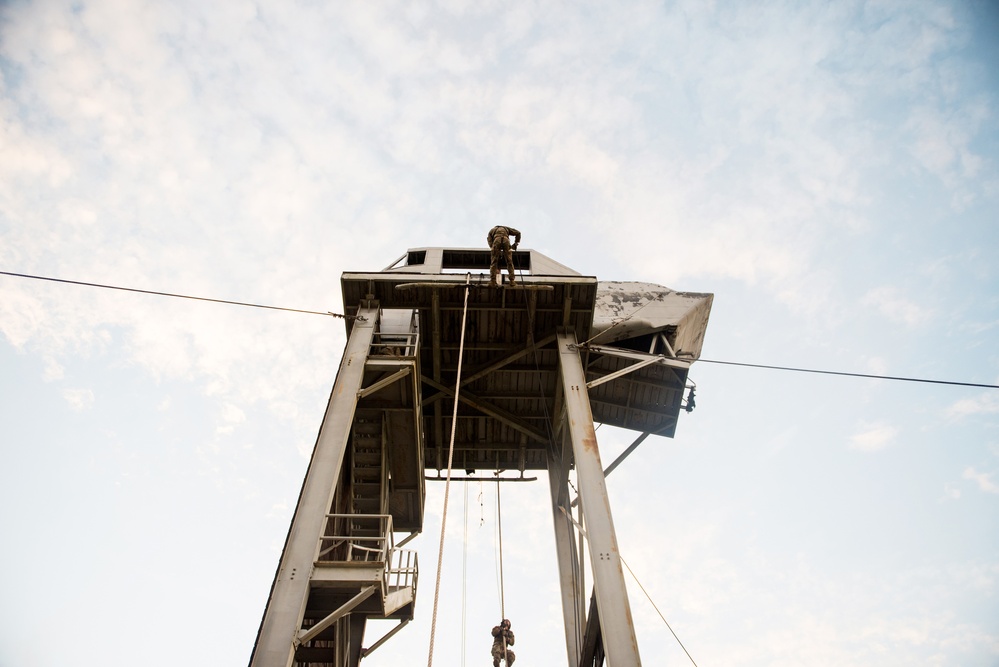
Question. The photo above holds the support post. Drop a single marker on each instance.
(616, 625)
(565, 548)
(290, 592)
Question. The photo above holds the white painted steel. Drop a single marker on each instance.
(624, 371)
(286, 606)
(568, 566)
(616, 623)
(388, 635)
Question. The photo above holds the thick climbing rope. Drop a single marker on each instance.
(464, 575)
(499, 526)
(447, 483)
(499, 530)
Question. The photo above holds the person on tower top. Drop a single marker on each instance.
(502, 640)
(499, 242)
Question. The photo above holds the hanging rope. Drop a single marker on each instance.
(560, 455)
(450, 460)
(464, 575)
(499, 526)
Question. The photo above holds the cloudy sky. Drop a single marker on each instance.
(830, 171)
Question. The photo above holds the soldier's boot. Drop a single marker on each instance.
(493, 274)
(512, 280)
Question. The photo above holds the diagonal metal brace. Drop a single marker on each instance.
(344, 609)
(365, 652)
(482, 405)
(636, 356)
(384, 382)
(624, 371)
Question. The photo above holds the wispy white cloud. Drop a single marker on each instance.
(876, 365)
(891, 303)
(983, 404)
(53, 370)
(982, 479)
(951, 493)
(79, 399)
(230, 418)
(873, 437)
(251, 150)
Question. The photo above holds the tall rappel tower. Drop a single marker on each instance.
(542, 362)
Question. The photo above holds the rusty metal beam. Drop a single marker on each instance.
(616, 624)
(570, 581)
(435, 330)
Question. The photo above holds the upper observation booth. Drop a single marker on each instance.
(637, 342)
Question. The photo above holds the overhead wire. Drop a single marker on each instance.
(582, 532)
(847, 374)
(176, 296)
(548, 422)
(953, 383)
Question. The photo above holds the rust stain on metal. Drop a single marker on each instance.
(590, 443)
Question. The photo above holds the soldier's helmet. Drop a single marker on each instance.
(505, 623)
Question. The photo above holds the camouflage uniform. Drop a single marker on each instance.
(500, 651)
(499, 242)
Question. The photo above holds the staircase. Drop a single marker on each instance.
(369, 472)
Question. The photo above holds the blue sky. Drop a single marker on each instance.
(828, 170)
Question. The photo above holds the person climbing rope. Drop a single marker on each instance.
(502, 640)
(499, 242)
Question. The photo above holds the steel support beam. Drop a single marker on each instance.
(616, 625)
(593, 653)
(624, 371)
(481, 405)
(343, 610)
(636, 356)
(384, 382)
(290, 592)
(435, 339)
(515, 354)
(356, 624)
(639, 440)
(365, 652)
(565, 547)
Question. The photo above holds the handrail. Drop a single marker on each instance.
(396, 345)
(341, 543)
(366, 533)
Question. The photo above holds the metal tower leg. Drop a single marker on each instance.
(616, 624)
(568, 566)
(282, 620)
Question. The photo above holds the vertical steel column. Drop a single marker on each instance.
(565, 548)
(290, 593)
(616, 624)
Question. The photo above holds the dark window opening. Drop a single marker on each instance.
(479, 259)
(649, 343)
(416, 257)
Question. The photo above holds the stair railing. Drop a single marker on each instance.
(368, 538)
